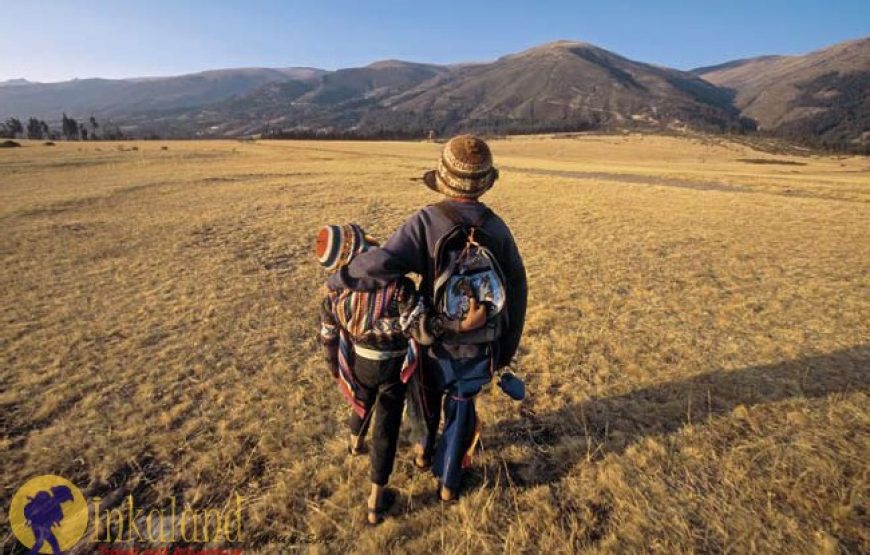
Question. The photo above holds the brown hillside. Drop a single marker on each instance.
(767, 88)
(567, 82)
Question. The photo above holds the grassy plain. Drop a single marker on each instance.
(697, 348)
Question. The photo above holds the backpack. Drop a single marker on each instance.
(465, 266)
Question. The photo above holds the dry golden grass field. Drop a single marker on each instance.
(697, 348)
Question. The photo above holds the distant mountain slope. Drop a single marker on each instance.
(122, 98)
(560, 85)
(563, 85)
(823, 93)
(336, 100)
(736, 72)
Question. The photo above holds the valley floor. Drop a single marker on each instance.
(697, 349)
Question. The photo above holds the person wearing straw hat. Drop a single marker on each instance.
(453, 372)
(371, 341)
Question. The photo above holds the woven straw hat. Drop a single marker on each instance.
(465, 169)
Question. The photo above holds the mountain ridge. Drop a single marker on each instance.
(563, 85)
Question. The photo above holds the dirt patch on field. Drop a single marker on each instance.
(634, 179)
(771, 161)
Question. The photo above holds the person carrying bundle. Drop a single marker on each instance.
(471, 271)
(371, 341)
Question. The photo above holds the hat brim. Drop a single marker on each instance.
(434, 182)
(430, 178)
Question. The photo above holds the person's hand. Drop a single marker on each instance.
(331, 360)
(475, 318)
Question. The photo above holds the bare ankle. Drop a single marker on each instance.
(375, 495)
(447, 494)
(356, 444)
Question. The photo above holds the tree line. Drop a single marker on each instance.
(70, 130)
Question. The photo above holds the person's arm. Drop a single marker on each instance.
(413, 313)
(418, 322)
(517, 289)
(328, 335)
(404, 252)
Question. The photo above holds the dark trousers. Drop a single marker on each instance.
(433, 400)
(383, 395)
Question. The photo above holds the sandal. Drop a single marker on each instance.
(421, 460)
(375, 515)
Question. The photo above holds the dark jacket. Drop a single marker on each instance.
(412, 249)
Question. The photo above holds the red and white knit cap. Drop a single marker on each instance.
(337, 245)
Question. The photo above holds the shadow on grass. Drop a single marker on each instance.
(612, 424)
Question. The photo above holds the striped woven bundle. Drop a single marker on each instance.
(346, 381)
(357, 311)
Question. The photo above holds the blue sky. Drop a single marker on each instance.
(51, 40)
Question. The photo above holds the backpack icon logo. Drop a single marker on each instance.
(48, 514)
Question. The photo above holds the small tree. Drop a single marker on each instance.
(46, 132)
(11, 128)
(70, 128)
(83, 131)
(94, 126)
(34, 129)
